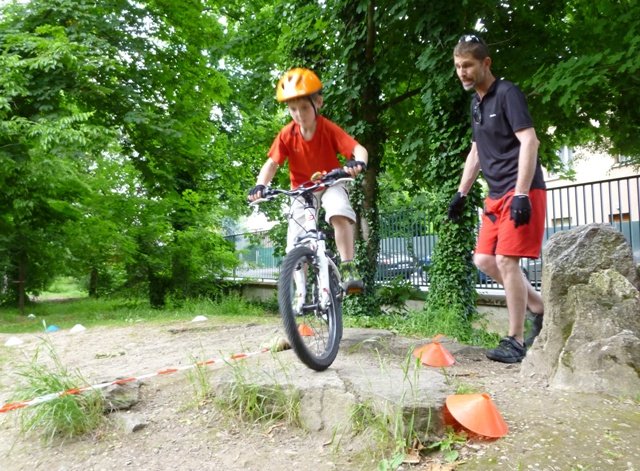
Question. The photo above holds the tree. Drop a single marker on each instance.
(142, 77)
(45, 141)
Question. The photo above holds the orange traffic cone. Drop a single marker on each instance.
(434, 354)
(476, 413)
(305, 330)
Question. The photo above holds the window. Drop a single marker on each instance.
(621, 160)
(619, 217)
(561, 223)
(565, 154)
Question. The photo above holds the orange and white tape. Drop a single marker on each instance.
(10, 406)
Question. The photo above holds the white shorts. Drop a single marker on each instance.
(335, 202)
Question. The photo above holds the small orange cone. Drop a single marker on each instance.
(434, 354)
(476, 413)
(305, 330)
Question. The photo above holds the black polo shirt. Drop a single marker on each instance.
(502, 112)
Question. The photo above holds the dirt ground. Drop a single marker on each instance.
(548, 429)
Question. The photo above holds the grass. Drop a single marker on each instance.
(63, 288)
(93, 312)
(200, 379)
(427, 324)
(65, 305)
(66, 416)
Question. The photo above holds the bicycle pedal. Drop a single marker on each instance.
(354, 290)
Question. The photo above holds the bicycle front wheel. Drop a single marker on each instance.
(314, 332)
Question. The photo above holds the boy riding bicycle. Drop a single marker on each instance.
(310, 143)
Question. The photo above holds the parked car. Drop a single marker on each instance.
(393, 265)
(422, 269)
(531, 268)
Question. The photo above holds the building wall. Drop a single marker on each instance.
(594, 195)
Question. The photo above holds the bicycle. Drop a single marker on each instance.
(309, 286)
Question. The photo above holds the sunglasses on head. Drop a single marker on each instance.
(469, 38)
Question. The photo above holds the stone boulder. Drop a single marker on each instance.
(590, 340)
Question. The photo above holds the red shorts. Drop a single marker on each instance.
(498, 234)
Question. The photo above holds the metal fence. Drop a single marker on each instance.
(407, 238)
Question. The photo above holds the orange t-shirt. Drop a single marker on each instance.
(317, 155)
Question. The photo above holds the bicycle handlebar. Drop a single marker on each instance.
(318, 180)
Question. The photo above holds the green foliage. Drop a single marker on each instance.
(448, 444)
(395, 295)
(66, 416)
(595, 49)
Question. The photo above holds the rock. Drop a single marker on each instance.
(590, 340)
(77, 328)
(277, 344)
(13, 342)
(121, 396)
(131, 422)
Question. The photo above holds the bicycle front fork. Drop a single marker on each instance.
(324, 284)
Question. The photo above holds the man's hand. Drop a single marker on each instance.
(256, 192)
(456, 207)
(520, 210)
(354, 167)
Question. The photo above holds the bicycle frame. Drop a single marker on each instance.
(312, 237)
(317, 241)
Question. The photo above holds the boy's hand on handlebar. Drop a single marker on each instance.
(354, 167)
(256, 192)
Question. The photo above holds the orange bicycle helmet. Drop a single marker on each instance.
(297, 83)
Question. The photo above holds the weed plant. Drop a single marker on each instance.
(66, 416)
(428, 323)
(200, 379)
(395, 430)
(448, 444)
(248, 401)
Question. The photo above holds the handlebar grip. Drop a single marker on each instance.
(335, 174)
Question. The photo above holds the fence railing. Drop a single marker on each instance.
(407, 239)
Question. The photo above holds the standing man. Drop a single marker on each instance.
(505, 148)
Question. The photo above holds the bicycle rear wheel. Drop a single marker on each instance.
(314, 333)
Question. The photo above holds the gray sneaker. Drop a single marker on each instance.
(508, 350)
(351, 282)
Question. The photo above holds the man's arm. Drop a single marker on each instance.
(527, 159)
(471, 170)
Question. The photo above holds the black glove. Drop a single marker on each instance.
(257, 189)
(352, 163)
(520, 210)
(456, 207)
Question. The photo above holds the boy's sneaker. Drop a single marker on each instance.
(508, 350)
(351, 282)
(536, 327)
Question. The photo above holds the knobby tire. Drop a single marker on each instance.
(322, 330)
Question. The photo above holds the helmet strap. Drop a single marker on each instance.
(313, 103)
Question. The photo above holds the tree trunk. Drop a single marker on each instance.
(93, 283)
(157, 290)
(22, 278)
(373, 139)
